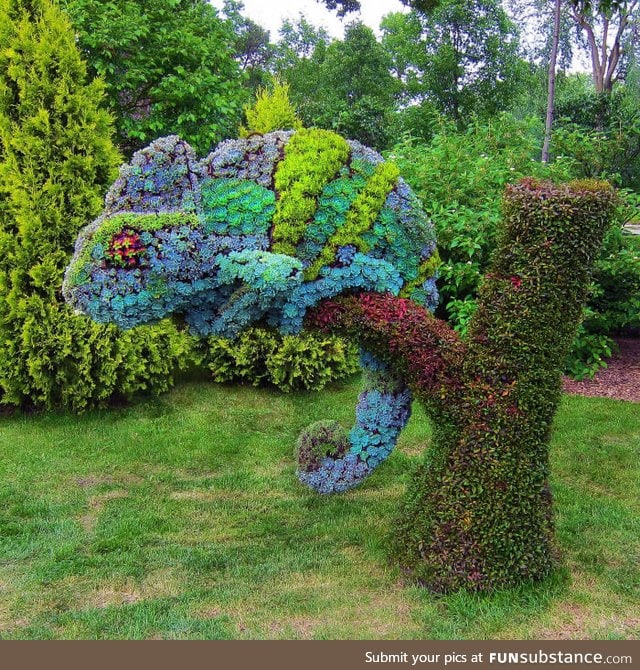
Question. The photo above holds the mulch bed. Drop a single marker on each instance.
(620, 379)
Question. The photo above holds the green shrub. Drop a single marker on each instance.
(589, 352)
(614, 303)
(56, 160)
(460, 177)
(289, 362)
(271, 111)
(600, 132)
(168, 68)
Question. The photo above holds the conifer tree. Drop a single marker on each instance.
(56, 160)
(271, 111)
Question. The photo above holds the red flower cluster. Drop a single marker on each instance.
(516, 282)
(125, 249)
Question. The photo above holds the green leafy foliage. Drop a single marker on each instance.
(252, 48)
(343, 7)
(614, 304)
(272, 110)
(261, 356)
(459, 177)
(462, 57)
(56, 159)
(600, 132)
(345, 86)
(168, 68)
(589, 352)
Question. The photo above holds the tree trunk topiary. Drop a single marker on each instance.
(478, 513)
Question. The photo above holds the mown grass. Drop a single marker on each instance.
(182, 518)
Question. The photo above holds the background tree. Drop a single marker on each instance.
(465, 59)
(552, 80)
(298, 39)
(605, 25)
(344, 7)
(347, 87)
(252, 47)
(168, 66)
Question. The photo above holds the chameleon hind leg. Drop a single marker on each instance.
(331, 461)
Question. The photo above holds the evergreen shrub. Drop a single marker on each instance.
(271, 111)
(308, 361)
(56, 160)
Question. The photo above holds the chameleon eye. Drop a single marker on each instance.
(125, 250)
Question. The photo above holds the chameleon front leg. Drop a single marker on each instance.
(330, 461)
(249, 284)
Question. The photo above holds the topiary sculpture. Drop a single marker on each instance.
(478, 514)
(263, 229)
(306, 227)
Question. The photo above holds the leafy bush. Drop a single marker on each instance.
(589, 352)
(168, 67)
(56, 158)
(614, 303)
(460, 177)
(600, 132)
(289, 362)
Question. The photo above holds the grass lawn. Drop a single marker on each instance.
(182, 518)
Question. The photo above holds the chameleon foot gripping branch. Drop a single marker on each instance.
(262, 230)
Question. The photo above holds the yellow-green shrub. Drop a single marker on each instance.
(56, 160)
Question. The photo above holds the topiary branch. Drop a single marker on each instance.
(531, 301)
(423, 350)
(478, 514)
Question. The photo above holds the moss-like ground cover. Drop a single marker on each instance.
(182, 518)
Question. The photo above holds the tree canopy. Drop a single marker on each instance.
(344, 7)
(463, 57)
(168, 66)
(346, 86)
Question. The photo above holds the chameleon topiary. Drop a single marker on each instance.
(261, 230)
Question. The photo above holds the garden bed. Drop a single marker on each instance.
(620, 379)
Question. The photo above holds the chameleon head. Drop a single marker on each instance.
(131, 268)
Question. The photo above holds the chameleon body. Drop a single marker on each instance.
(261, 230)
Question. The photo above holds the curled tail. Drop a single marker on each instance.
(330, 460)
